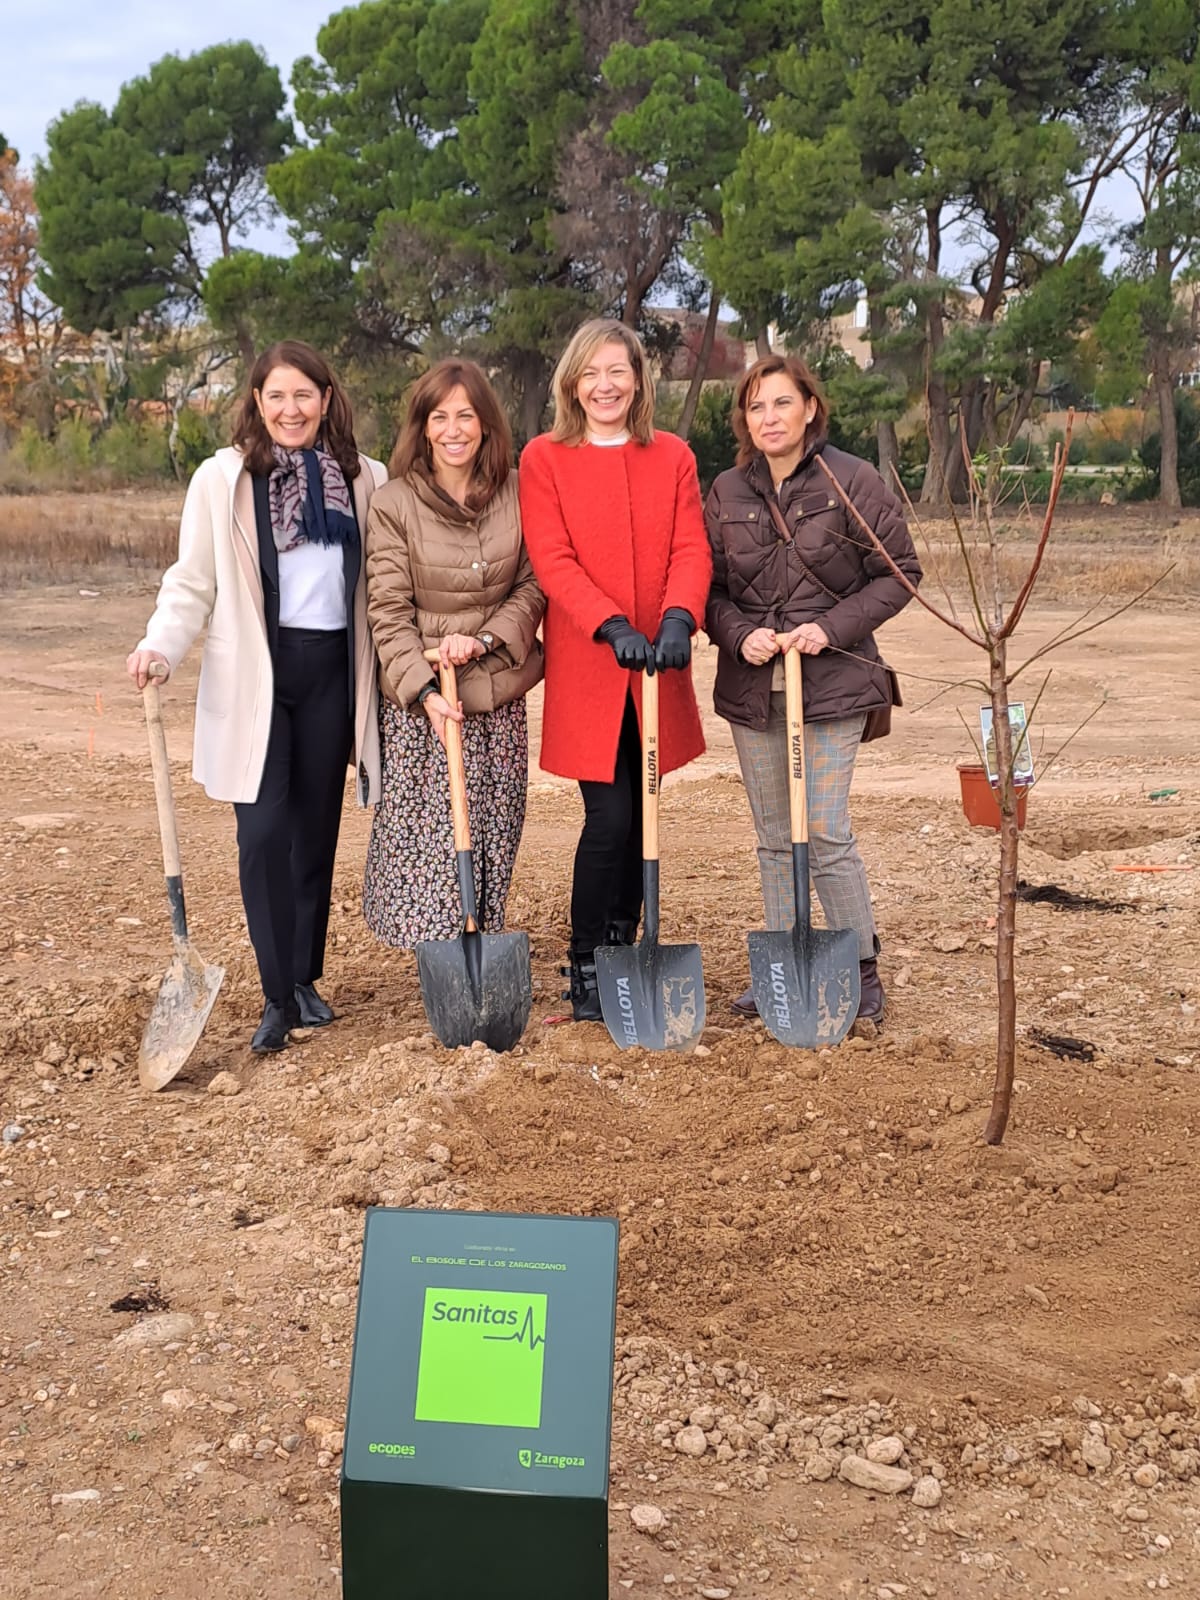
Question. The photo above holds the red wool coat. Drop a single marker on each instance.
(612, 530)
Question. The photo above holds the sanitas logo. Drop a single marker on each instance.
(495, 1315)
(383, 1449)
(536, 1458)
(482, 1357)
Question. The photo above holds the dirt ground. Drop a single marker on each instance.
(818, 1256)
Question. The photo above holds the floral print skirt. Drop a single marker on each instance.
(411, 888)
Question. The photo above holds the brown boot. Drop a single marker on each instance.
(871, 1003)
(744, 1005)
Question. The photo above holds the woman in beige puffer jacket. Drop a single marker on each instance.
(447, 570)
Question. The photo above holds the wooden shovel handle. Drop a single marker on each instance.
(651, 776)
(163, 797)
(448, 689)
(793, 683)
(164, 800)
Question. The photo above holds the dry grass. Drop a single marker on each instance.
(1074, 571)
(69, 538)
(1116, 551)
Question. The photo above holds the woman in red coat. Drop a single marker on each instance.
(613, 524)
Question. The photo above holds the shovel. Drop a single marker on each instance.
(806, 982)
(478, 986)
(186, 994)
(651, 994)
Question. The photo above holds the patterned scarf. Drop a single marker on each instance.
(310, 500)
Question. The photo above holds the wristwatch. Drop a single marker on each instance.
(487, 640)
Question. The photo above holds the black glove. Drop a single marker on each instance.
(632, 649)
(673, 643)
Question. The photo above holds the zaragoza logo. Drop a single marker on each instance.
(482, 1358)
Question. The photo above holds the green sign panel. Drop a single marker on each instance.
(480, 1403)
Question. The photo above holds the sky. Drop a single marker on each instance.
(59, 51)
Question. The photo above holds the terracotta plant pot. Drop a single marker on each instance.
(981, 802)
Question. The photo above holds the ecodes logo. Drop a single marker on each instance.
(385, 1449)
(537, 1458)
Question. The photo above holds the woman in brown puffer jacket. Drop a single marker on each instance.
(822, 590)
(447, 570)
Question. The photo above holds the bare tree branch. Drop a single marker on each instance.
(1091, 628)
(1060, 467)
(1046, 766)
(905, 581)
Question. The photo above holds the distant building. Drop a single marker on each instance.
(730, 355)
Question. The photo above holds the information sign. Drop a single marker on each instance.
(478, 1426)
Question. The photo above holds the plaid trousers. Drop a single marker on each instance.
(838, 874)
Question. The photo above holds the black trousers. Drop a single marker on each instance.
(608, 859)
(287, 838)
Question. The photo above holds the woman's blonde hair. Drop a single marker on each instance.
(570, 419)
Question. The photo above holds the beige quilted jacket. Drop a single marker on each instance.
(435, 568)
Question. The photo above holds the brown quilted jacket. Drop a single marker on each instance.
(828, 573)
(435, 568)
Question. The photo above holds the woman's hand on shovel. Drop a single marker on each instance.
(456, 649)
(758, 647)
(809, 638)
(439, 711)
(139, 662)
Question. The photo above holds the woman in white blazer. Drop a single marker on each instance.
(270, 558)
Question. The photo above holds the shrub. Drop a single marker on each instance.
(77, 457)
(1109, 450)
(1187, 418)
(199, 435)
(1026, 452)
(712, 436)
(132, 451)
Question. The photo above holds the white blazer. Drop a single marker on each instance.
(217, 580)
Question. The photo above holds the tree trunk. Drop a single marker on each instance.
(1168, 472)
(1006, 908)
(889, 454)
(937, 400)
(762, 343)
(534, 378)
(246, 346)
(701, 368)
(885, 432)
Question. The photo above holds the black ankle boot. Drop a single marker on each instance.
(278, 1018)
(314, 1012)
(871, 1003)
(584, 993)
(621, 933)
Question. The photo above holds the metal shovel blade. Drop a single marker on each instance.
(477, 986)
(806, 984)
(652, 994)
(181, 1007)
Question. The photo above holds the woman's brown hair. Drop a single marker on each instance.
(800, 375)
(250, 434)
(494, 461)
(570, 419)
